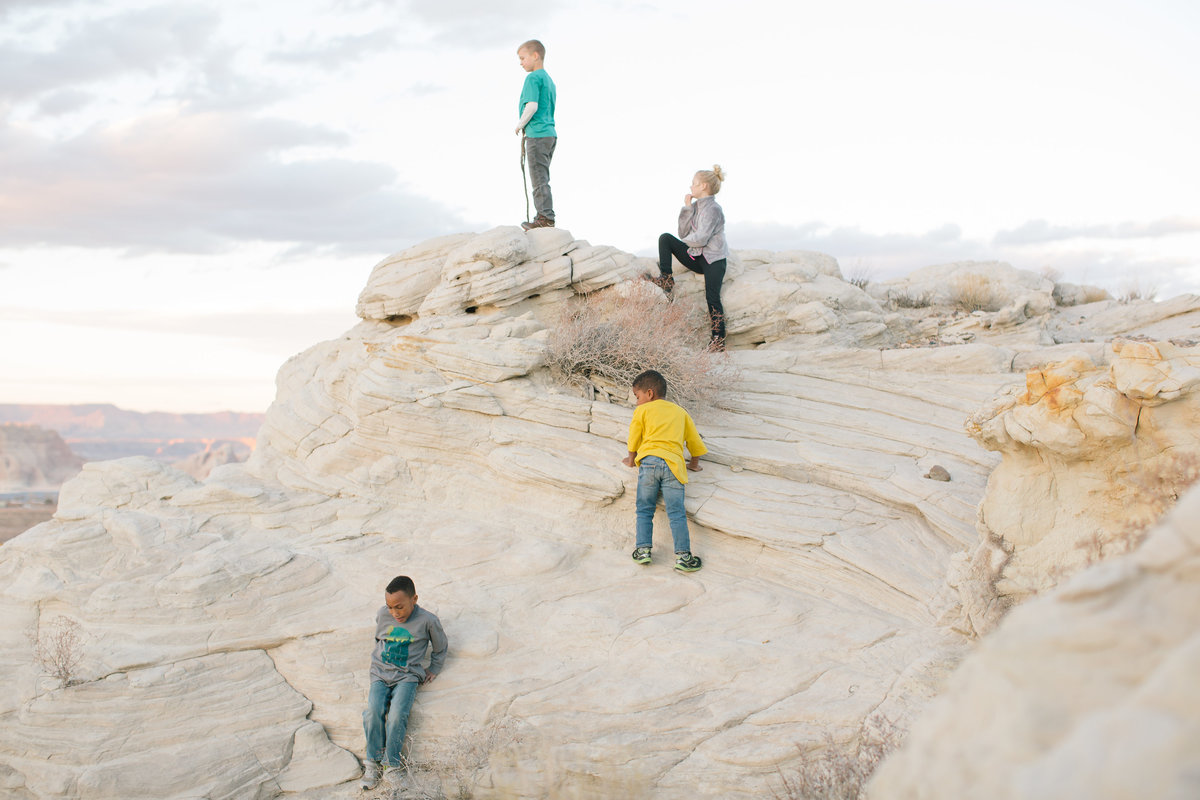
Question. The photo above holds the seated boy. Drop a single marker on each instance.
(657, 433)
(404, 634)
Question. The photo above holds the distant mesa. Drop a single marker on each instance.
(42, 446)
(33, 458)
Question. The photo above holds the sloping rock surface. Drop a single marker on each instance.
(429, 440)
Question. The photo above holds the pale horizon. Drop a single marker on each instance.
(191, 193)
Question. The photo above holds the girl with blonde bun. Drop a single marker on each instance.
(700, 247)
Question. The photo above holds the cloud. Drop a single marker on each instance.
(260, 331)
(200, 183)
(935, 246)
(1039, 231)
(64, 101)
(470, 23)
(145, 41)
(339, 51)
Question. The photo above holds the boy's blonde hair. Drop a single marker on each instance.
(712, 177)
(534, 46)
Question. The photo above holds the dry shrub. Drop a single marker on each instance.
(503, 760)
(834, 773)
(1150, 494)
(1094, 294)
(1135, 290)
(604, 340)
(907, 299)
(1051, 274)
(1154, 490)
(459, 763)
(860, 276)
(973, 293)
(58, 649)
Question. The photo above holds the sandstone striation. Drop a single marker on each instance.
(229, 619)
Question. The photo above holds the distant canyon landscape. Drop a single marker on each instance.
(42, 446)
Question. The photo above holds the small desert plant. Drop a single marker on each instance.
(860, 276)
(973, 293)
(1151, 493)
(459, 762)
(835, 773)
(58, 649)
(606, 340)
(1155, 490)
(1135, 290)
(908, 299)
(1051, 274)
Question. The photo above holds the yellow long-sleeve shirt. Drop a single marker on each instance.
(661, 428)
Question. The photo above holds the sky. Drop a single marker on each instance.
(193, 191)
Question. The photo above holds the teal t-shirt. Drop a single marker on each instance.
(538, 89)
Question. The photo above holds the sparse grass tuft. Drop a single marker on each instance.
(604, 340)
(973, 293)
(834, 773)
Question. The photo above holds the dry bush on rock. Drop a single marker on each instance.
(1155, 490)
(835, 773)
(860, 276)
(606, 339)
(973, 293)
(907, 299)
(58, 648)
(1134, 290)
(503, 760)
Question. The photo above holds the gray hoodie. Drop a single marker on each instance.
(702, 229)
(401, 647)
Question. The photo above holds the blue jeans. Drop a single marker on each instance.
(654, 476)
(386, 720)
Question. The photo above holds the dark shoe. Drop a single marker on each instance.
(641, 555)
(538, 222)
(664, 282)
(686, 562)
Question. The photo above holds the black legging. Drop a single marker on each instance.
(713, 273)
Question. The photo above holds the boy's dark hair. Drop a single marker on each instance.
(653, 381)
(402, 583)
(535, 46)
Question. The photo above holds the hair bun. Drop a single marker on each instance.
(718, 172)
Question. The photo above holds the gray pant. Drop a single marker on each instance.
(538, 152)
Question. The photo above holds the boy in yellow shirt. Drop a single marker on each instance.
(657, 434)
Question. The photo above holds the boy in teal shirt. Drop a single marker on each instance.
(657, 434)
(536, 110)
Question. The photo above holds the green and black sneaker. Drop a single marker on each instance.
(686, 562)
(641, 555)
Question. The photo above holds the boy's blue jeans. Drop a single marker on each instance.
(654, 476)
(386, 720)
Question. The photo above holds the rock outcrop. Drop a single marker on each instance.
(1091, 455)
(1088, 691)
(430, 440)
(32, 458)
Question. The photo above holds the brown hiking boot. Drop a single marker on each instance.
(664, 282)
(538, 222)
